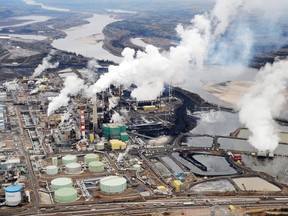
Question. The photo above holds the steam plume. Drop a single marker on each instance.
(45, 64)
(72, 86)
(116, 117)
(150, 70)
(262, 103)
(92, 66)
(45, 7)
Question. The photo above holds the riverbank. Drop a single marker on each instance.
(87, 40)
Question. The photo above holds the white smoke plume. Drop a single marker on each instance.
(262, 103)
(92, 64)
(45, 7)
(223, 14)
(150, 70)
(269, 9)
(116, 118)
(92, 67)
(72, 86)
(45, 64)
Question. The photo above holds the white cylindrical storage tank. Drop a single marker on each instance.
(65, 195)
(113, 184)
(96, 166)
(69, 159)
(100, 146)
(55, 161)
(73, 168)
(90, 157)
(13, 195)
(51, 170)
(61, 183)
(136, 167)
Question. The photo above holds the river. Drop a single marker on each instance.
(87, 39)
(27, 20)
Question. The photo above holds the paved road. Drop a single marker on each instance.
(33, 180)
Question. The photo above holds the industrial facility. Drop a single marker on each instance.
(113, 148)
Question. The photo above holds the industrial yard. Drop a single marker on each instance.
(89, 127)
(113, 149)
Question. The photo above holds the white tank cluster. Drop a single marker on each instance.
(73, 168)
(61, 183)
(113, 184)
(51, 170)
(13, 196)
(69, 159)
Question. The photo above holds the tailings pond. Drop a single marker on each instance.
(205, 164)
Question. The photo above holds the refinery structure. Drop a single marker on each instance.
(113, 153)
(133, 135)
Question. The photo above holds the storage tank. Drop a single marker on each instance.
(55, 161)
(61, 183)
(73, 168)
(96, 166)
(13, 195)
(90, 157)
(136, 167)
(65, 195)
(51, 170)
(113, 184)
(69, 159)
(100, 146)
(92, 137)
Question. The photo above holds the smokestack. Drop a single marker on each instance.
(82, 124)
(95, 114)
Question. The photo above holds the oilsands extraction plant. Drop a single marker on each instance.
(115, 149)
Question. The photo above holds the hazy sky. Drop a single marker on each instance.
(125, 4)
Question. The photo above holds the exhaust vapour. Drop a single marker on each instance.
(262, 103)
(72, 86)
(45, 64)
(223, 35)
(150, 70)
(211, 38)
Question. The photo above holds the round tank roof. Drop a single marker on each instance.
(91, 156)
(52, 167)
(61, 181)
(69, 157)
(13, 188)
(113, 180)
(73, 165)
